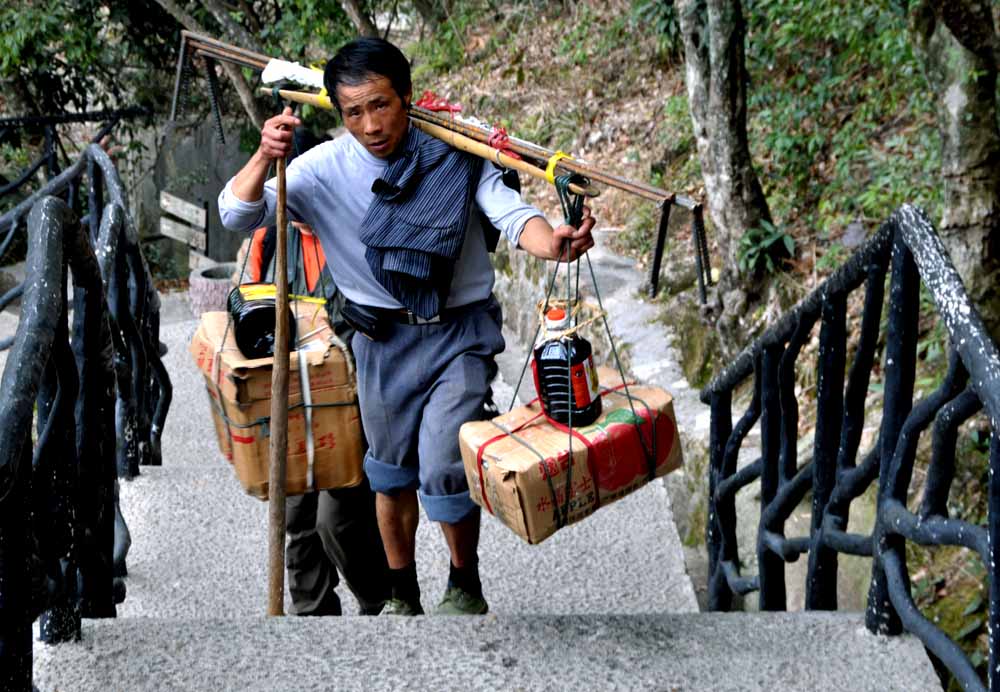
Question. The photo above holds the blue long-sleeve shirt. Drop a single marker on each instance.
(329, 188)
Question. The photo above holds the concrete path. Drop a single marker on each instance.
(776, 652)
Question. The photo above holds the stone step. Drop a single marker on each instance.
(199, 547)
(774, 652)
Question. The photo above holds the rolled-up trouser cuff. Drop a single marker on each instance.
(449, 509)
(390, 479)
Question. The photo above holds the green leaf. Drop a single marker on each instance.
(974, 607)
(969, 629)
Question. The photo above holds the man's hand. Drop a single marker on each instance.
(275, 143)
(541, 240)
(276, 135)
(580, 239)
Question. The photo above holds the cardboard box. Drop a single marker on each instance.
(517, 464)
(239, 393)
(243, 380)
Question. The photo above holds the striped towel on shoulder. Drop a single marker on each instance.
(415, 227)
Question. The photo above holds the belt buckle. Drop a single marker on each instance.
(417, 319)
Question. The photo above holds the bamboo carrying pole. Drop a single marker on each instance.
(485, 151)
(206, 45)
(279, 414)
(455, 139)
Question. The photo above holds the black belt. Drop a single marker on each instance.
(370, 321)
(407, 316)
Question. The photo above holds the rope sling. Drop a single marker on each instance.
(572, 208)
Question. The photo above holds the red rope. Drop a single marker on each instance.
(433, 102)
(501, 141)
(587, 443)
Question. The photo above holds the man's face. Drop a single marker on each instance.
(374, 114)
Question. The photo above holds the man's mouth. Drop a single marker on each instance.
(380, 145)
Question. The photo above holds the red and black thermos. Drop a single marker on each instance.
(565, 376)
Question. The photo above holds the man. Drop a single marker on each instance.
(385, 204)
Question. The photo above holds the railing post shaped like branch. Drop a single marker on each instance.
(993, 566)
(821, 581)
(941, 471)
(720, 596)
(95, 433)
(137, 304)
(129, 287)
(18, 390)
(95, 198)
(899, 372)
(725, 503)
(115, 272)
(770, 566)
(55, 485)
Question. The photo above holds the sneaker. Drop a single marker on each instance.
(397, 606)
(459, 602)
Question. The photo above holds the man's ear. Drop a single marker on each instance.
(407, 100)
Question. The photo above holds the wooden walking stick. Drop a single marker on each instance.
(279, 413)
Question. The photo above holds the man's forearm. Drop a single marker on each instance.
(248, 185)
(536, 238)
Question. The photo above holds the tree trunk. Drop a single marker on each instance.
(957, 41)
(430, 12)
(240, 35)
(715, 72)
(356, 13)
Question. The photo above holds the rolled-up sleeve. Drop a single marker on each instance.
(503, 207)
(239, 215)
(242, 216)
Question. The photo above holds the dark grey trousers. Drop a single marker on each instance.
(333, 530)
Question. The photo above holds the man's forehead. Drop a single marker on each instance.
(376, 86)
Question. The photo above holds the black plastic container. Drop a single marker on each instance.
(254, 323)
(565, 376)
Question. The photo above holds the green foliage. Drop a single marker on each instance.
(841, 119)
(75, 54)
(445, 49)
(637, 237)
(307, 30)
(764, 249)
(591, 35)
(835, 255)
(659, 17)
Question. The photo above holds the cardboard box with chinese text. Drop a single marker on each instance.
(239, 393)
(517, 464)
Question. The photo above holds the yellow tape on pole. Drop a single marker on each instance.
(550, 170)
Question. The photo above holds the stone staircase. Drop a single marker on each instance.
(604, 604)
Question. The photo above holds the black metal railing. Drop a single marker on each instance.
(49, 158)
(98, 394)
(907, 246)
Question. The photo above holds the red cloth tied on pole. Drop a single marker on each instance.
(433, 102)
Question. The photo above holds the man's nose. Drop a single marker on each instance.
(372, 125)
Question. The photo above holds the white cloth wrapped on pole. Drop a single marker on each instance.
(278, 70)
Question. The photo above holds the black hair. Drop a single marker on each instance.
(357, 61)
